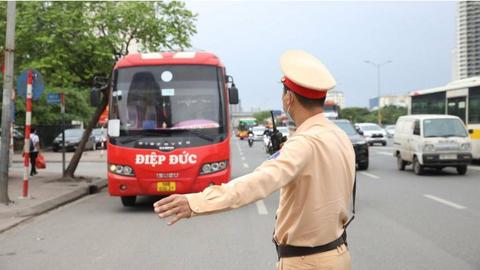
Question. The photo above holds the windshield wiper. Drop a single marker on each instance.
(444, 135)
(451, 135)
(169, 134)
(133, 138)
(198, 134)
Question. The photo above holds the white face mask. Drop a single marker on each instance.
(287, 112)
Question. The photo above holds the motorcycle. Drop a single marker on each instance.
(250, 139)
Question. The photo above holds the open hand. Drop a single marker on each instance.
(174, 205)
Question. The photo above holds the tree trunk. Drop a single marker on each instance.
(72, 166)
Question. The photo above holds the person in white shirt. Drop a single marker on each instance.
(34, 148)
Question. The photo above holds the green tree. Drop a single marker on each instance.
(354, 114)
(391, 113)
(261, 116)
(72, 42)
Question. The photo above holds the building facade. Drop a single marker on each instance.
(399, 101)
(467, 54)
(336, 97)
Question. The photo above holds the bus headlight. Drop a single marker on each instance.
(213, 167)
(466, 146)
(428, 148)
(121, 170)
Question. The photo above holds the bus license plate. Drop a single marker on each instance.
(166, 186)
(444, 157)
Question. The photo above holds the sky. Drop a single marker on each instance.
(250, 36)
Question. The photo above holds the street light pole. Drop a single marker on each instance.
(378, 66)
(7, 102)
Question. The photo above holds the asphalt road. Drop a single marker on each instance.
(403, 221)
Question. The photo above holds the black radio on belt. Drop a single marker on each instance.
(276, 138)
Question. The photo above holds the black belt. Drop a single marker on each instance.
(294, 251)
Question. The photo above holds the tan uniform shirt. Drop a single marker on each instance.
(315, 174)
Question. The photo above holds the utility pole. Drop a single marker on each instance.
(7, 102)
(378, 66)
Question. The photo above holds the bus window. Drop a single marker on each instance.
(457, 106)
(429, 103)
(474, 105)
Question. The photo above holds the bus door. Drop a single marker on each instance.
(457, 106)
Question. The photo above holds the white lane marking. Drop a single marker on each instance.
(474, 168)
(243, 158)
(383, 153)
(245, 165)
(370, 175)
(261, 208)
(440, 200)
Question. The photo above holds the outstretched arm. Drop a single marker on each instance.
(266, 179)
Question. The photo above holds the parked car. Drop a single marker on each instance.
(18, 139)
(258, 132)
(390, 129)
(373, 133)
(72, 139)
(100, 137)
(432, 141)
(359, 143)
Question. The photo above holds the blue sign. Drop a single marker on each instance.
(37, 87)
(373, 102)
(53, 98)
(277, 112)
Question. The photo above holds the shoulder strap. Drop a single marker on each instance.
(353, 202)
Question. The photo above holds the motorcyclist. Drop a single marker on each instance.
(250, 137)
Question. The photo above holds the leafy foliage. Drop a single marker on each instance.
(262, 117)
(72, 42)
(389, 114)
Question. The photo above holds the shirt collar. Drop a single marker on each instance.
(317, 119)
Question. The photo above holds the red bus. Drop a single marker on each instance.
(169, 124)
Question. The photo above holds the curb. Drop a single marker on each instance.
(59, 161)
(25, 214)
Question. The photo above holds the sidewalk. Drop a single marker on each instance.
(87, 156)
(45, 193)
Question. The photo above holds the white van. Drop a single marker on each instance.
(433, 141)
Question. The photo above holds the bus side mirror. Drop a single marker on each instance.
(113, 129)
(233, 94)
(95, 97)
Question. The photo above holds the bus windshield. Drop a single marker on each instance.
(246, 124)
(443, 128)
(165, 98)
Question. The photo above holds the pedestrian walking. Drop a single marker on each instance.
(34, 149)
(314, 171)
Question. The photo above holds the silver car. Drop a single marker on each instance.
(373, 133)
(258, 132)
(72, 140)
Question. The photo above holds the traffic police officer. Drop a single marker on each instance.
(314, 171)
